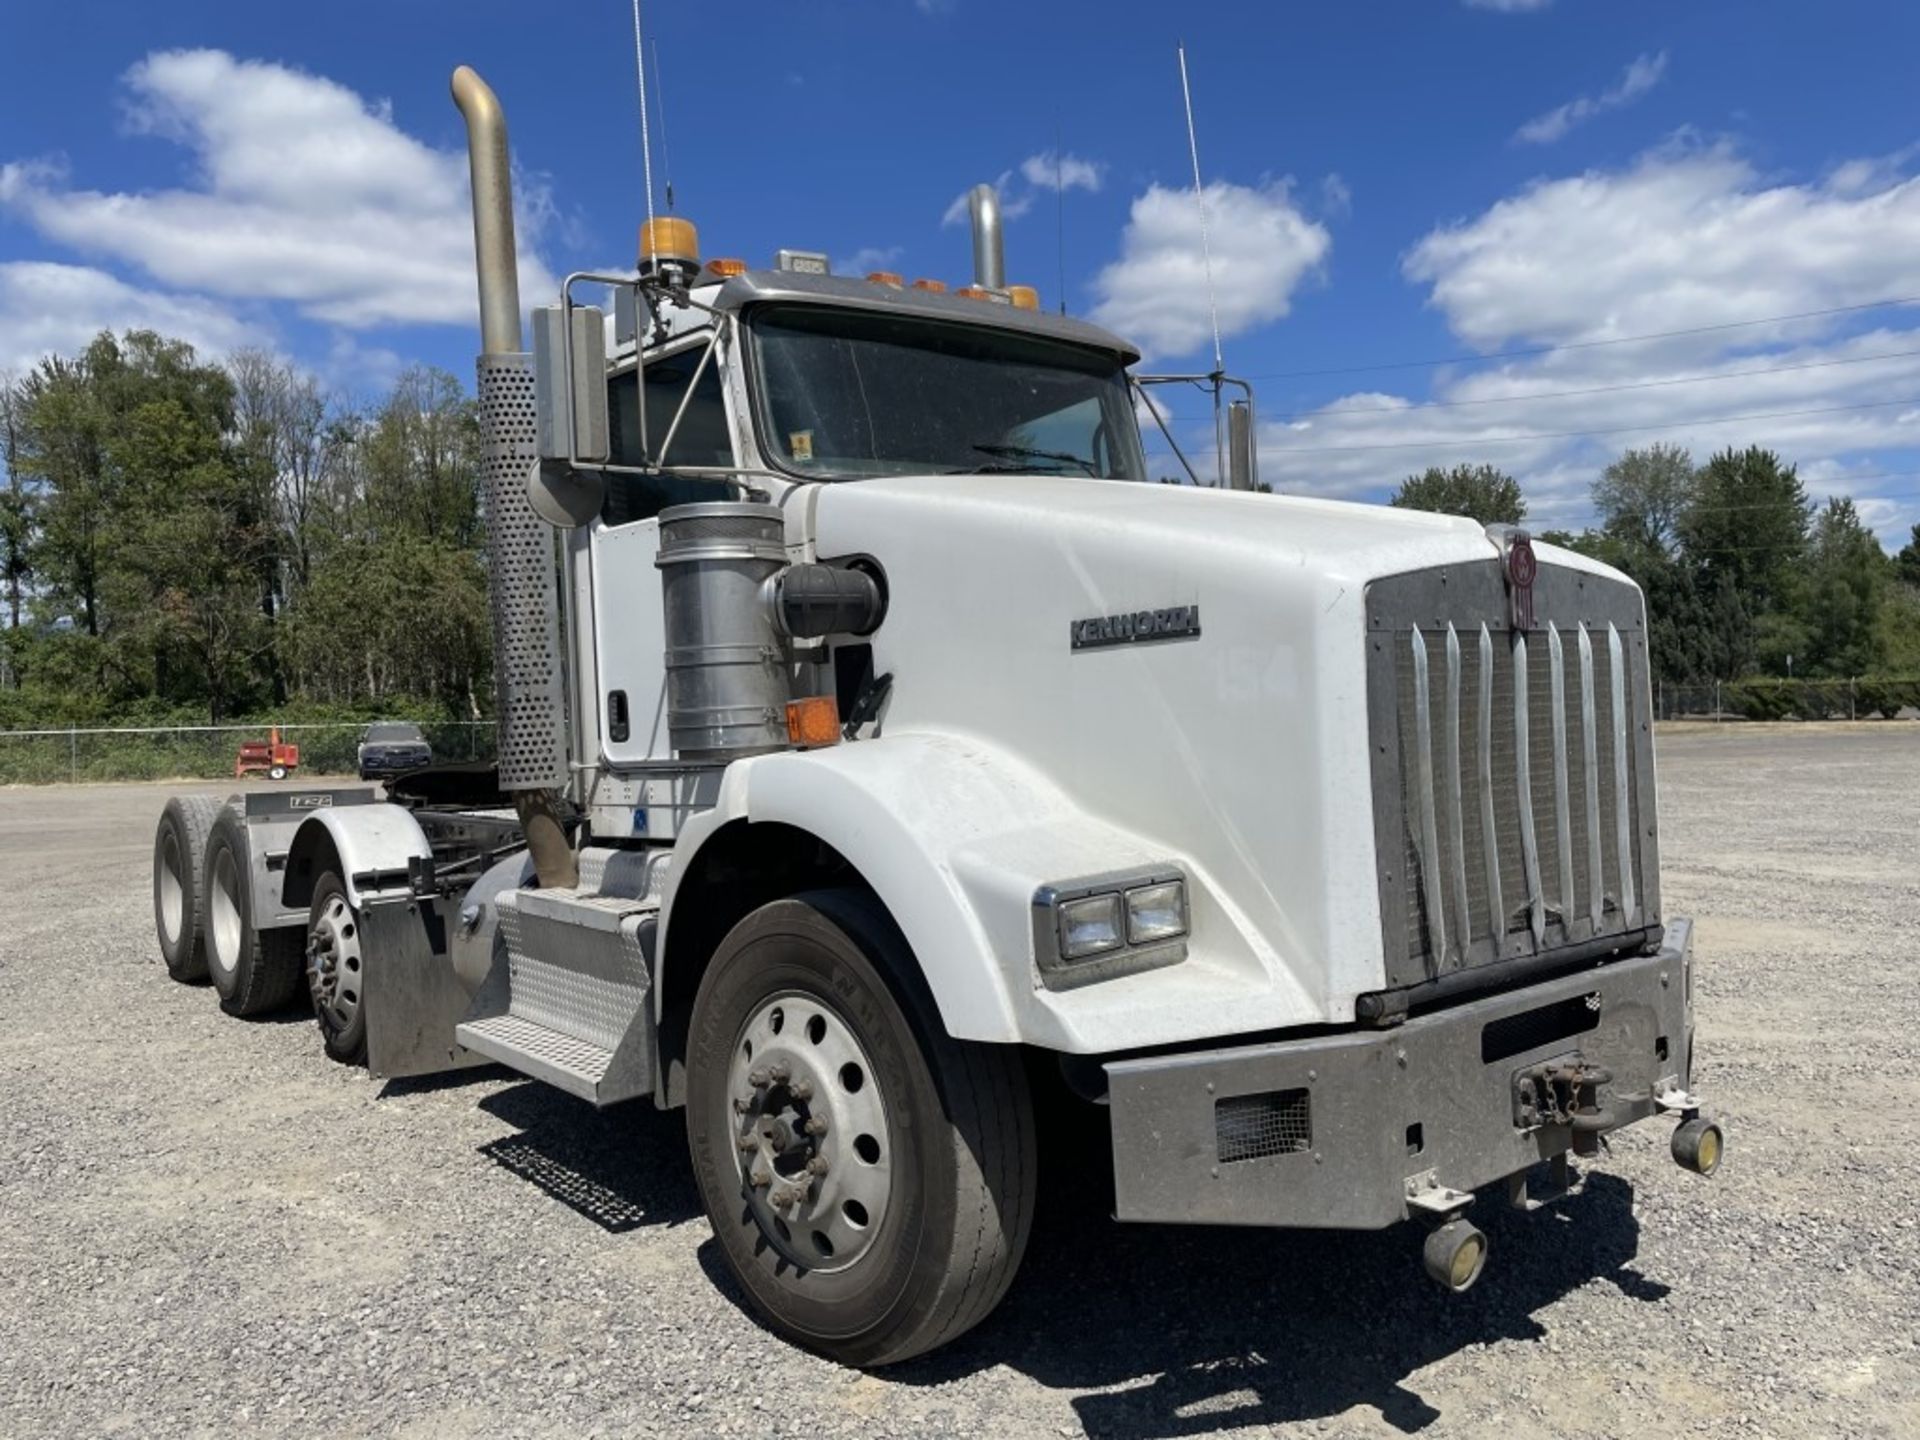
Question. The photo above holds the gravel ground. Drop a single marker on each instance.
(208, 1229)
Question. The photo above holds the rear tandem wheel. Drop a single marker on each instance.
(255, 971)
(179, 898)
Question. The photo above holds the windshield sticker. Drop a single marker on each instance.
(800, 444)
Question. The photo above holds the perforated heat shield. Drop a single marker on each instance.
(529, 687)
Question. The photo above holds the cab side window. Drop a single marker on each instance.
(701, 440)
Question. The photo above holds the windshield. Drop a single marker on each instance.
(849, 393)
(388, 734)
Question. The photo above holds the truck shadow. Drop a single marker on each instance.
(1233, 1328)
(621, 1168)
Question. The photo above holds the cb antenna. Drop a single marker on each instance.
(1206, 261)
(660, 99)
(646, 140)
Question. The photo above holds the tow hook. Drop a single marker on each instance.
(1564, 1091)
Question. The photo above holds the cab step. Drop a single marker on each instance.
(568, 998)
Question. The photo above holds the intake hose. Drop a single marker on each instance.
(810, 601)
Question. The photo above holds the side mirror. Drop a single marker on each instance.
(1243, 471)
(570, 415)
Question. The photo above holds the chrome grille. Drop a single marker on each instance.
(1512, 770)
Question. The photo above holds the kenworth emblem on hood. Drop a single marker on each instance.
(1137, 627)
(1521, 567)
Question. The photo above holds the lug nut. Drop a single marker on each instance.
(817, 1125)
(757, 1078)
(748, 1142)
(779, 1072)
(817, 1165)
(802, 1089)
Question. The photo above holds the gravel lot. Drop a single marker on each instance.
(207, 1228)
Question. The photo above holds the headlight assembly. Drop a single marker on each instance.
(1108, 925)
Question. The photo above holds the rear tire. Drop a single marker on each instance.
(179, 899)
(336, 975)
(254, 971)
(905, 1232)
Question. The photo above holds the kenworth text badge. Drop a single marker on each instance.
(1136, 627)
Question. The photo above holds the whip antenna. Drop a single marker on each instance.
(1206, 261)
(660, 99)
(646, 140)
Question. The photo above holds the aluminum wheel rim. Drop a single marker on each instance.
(333, 963)
(812, 1146)
(223, 912)
(173, 896)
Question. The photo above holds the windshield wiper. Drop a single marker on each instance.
(1023, 452)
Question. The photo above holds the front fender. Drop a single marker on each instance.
(955, 838)
(369, 845)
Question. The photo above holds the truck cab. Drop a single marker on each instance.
(876, 734)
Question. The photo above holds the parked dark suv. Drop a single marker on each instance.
(392, 748)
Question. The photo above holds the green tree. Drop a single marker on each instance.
(1907, 562)
(16, 503)
(148, 536)
(1642, 495)
(1480, 492)
(1747, 523)
(1841, 596)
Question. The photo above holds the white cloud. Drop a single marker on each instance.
(867, 259)
(1156, 292)
(1050, 170)
(1636, 80)
(1509, 6)
(1686, 237)
(1336, 197)
(304, 193)
(51, 309)
(1013, 203)
(1039, 172)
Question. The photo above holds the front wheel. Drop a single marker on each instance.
(336, 974)
(870, 1179)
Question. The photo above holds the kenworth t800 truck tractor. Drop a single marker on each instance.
(875, 737)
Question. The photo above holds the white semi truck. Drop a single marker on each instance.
(873, 735)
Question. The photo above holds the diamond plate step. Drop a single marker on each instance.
(577, 1066)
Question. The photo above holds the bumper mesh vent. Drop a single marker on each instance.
(1253, 1127)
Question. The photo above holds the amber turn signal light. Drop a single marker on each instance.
(813, 721)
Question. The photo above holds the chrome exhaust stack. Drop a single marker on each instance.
(989, 254)
(528, 664)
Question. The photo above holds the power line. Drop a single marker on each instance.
(1589, 344)
(1325, 414)
(1606, 430)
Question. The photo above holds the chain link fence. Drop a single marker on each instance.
(1855, 699)
(206, 752)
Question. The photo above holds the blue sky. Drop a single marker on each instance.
(1386, 184)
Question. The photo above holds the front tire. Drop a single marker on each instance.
(254, 971)
(336, 973)
(870, 1180)
(179, 899)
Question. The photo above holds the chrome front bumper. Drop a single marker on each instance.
(1360, 1129)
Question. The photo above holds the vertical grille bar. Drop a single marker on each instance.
(1456, 809)
(1623, 817)
(1562, 808)
(1523, 771)
(1429, 841)
(1596, 883)
(1489, 830)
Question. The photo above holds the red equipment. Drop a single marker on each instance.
(266, 757)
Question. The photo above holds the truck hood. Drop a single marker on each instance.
(1239, 752)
